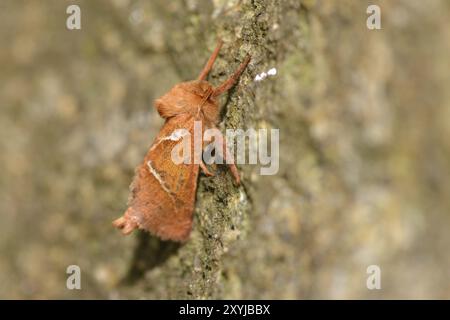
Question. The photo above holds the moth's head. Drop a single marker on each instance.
(185, 97)
(200, 88)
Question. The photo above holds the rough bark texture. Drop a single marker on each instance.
(364, 155)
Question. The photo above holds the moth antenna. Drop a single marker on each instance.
(231, 81)
(207, 68)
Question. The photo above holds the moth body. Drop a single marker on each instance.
(162, 194)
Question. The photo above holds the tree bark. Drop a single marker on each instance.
(363, 177)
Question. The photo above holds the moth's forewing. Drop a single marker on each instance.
(162, 194)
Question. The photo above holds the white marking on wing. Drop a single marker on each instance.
(176, 135)
(158, 177)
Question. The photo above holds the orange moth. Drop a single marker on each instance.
(162, 194)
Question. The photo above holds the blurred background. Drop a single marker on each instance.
(364, 119)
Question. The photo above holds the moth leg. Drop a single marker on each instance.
(230, 82)
(235, 173)
(125, 223)
(205, 169)
(207, 68)
(227, 157)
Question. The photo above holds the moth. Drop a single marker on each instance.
(162, 194)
